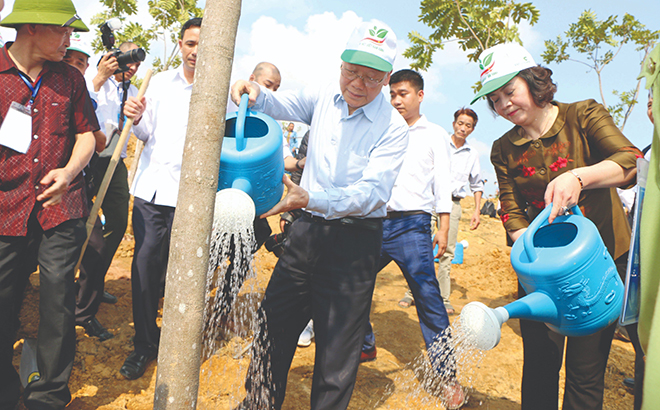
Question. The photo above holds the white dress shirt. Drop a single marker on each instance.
(352, 160)
(163, 129)
(423, 183)
(465, 168)
(108, 100)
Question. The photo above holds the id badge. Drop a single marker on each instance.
(16, 129)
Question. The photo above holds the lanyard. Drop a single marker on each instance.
(35, 89)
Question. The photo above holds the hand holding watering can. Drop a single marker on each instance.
(570, 278)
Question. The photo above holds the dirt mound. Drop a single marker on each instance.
(485, 276)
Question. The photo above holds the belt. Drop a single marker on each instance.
(456, 198)
(372, 224)
(401, 214)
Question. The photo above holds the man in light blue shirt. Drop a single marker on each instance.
(328, 269)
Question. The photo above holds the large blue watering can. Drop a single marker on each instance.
(570, 278)
(251, 158)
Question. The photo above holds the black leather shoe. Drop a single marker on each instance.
(108, 298)
(94, 328)
(135, 365)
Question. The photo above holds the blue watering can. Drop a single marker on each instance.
(251, 158)
(570, 278)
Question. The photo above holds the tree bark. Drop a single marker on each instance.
(179, 354)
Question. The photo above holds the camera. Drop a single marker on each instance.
(123, 59)
(275, 244)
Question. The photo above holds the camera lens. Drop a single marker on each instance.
(133, 56)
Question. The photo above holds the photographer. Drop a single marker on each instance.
(111, 89)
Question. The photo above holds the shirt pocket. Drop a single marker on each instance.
(355, 166)
(58, 114)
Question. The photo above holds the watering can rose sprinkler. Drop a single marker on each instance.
(570, 278)
(251, 164)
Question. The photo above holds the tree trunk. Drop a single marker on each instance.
(177, 382)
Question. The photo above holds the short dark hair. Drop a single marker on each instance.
(193, 22)
(412, 76)
(539, 82)
(469, 112)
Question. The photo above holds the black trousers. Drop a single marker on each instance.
(104, 240)
(91, 281)
(152, 226)
(586, 360)
(56, 251)
(327, 273)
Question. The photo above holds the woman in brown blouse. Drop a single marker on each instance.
(564, 154)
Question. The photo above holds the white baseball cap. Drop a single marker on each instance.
(79, 43)
(499, 64)
(372, 44)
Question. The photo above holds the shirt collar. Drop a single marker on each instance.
(517, 134)
(116, 83)
(7, 63)
(466, 145)
(180, 76)
(422, 122)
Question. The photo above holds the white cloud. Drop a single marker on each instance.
(303, 57)
(294, 8)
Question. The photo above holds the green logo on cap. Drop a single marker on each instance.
(378, 33)
(486, 61)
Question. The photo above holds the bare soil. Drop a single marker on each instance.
(486, 275)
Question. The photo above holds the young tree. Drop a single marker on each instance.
(179, 354)
(598, 42)
(475, 24)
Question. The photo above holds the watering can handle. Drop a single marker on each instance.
(240, 123)
(539, 222)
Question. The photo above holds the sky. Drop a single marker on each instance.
(305, 38)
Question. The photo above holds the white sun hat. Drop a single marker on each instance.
(372, 44)
(499, 64)
(79, 42)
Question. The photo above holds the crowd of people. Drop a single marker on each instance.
(375, 181)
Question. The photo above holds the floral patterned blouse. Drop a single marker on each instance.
(583, 134)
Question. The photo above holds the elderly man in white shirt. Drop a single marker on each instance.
(162, 119)
(465, 171)
(328, 269)
(422, 187)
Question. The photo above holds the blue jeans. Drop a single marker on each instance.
(407, 241)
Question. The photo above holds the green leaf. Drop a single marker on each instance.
(488, 60)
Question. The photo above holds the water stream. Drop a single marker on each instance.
(454, 357)
(232, 316)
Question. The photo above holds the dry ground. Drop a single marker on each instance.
(485, 275)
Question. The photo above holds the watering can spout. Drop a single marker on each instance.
(535, 306)
(482, 325)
